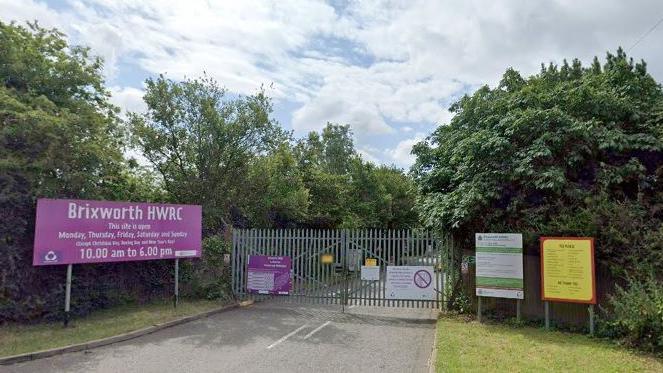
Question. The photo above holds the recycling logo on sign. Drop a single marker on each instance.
(51, 257)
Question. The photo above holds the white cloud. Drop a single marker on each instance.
(401, 154)
(370, 64)
(29, 10)
(343, 99)
(128, 99)
(370, 154)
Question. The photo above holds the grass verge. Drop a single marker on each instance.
(468, 346)
(17, 339)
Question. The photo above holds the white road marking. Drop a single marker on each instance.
(287, 336)
(316, 330)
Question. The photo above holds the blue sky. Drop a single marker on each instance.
(390, 69)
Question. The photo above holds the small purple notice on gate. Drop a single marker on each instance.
(269, 274)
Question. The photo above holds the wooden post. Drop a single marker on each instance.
(518, 306)
(479, 309)
(546, 306)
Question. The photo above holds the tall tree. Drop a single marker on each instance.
(278, 195)
(59, 137)
(571, 150)
(202, 142)
(346, 191)
(338, 148)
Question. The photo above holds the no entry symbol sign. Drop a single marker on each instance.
(422, 278)
(410, 282)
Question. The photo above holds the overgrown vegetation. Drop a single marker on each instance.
(636, 314)
(574, 151)
(60, 137)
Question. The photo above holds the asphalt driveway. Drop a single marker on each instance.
(268, 337)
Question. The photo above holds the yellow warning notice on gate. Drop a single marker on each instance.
(327, 258)
(371, 262)
(567, 269)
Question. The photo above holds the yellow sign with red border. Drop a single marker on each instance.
(567, 269)
(371, 262)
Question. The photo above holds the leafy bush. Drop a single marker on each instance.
(60, 137)
(636, 314)
(574, 150)
(629, 236)
(209, 277)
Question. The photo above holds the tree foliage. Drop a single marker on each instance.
(281, 198)
(572, 150)
(228, 155)
(346, 191)
(59, 138)
(202, 142)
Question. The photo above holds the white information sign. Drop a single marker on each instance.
(262, 281)
(499, 265)
(410, 282)
(370, 273)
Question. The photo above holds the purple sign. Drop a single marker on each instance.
(79, 231)
(269, 274)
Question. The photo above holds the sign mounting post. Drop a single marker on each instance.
(176, 298)
(67, 296)
(71, 231)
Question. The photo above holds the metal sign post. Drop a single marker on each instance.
(479, 309)
(67, 296)
(546, 306)
(591, 319)
(177, 282)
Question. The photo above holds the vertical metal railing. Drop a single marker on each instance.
(340, 282)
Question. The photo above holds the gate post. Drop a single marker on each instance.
(344, 260)
(233, 260)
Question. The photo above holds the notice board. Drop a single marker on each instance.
(410, 282)
(269, 274)
(71, 231)
(567, 269)
(499, 265)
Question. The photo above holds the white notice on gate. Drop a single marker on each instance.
(370, 273)
(410, 282)
(260, 281)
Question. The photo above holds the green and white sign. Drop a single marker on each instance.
(499, 265)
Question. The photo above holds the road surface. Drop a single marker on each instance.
(268, 337)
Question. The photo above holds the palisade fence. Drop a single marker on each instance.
(339, 282)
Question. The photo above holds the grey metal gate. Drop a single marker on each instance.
(339, 281)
